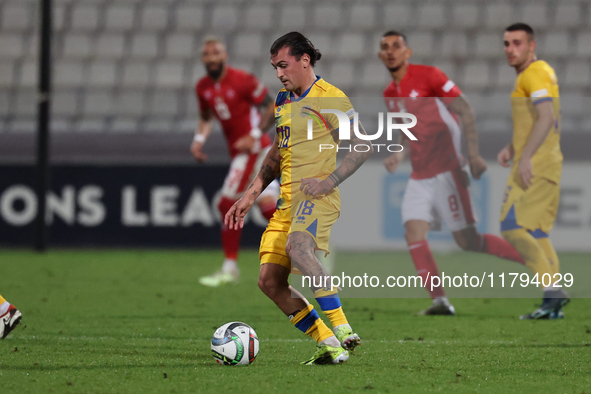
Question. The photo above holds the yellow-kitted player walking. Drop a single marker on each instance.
(304, 154)
(532, 193)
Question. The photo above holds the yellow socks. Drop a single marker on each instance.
(311, 324)
(531, 250)
(550, 254)
(330, 304)
(2, 300)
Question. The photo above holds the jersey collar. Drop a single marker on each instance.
(521, 72)
(292, 99)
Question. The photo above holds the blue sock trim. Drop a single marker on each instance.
(304, 324)
(329, 303)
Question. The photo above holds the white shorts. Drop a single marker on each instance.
(443, 197)
(242, 171)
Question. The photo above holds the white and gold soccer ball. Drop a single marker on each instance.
(235, 343)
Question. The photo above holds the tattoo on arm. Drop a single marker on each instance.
(335, 179)
(268, 172)
(353, 159)
(267, 108)
(461, 107)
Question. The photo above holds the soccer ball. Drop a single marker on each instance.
(235, 343)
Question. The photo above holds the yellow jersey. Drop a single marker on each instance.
(533, 85)
(306, 154)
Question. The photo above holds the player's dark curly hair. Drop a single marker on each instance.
(298, 45)
(522, 27)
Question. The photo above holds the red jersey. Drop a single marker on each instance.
(425, 92)
(233, 101)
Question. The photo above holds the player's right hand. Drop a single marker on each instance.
(234, 218)
(393, 161)
(477, 167)
(505, 156)
(196, 150)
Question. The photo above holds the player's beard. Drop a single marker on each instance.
(394, 69)
(215, 73)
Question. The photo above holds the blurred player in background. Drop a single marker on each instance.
(10, 317)
(438, 185)
(309, 181)
(234, 97)
(531, 197)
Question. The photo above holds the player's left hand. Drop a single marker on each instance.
(525, 171)
(314, 186)
(234, 218)
(245, 144)
(477, 166)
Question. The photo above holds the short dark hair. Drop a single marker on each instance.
(395, 33)
(298, 45)
(522, 27)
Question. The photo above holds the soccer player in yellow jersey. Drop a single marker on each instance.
(10, 317)
(533, 189)
(309, 201)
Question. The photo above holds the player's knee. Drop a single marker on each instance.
(469, 245)
(416, 231)
(468, 242)
(412, 236)
(269, 285)
(225, 204)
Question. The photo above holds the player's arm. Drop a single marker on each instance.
(464, 111)
(351, 162)
(202, 133)
(505, 155)
(270, 168)
(267, 108)
(393, 161)
(540, 131)
(251, 142)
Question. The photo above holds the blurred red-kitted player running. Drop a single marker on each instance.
(244, 109)
(438, 187)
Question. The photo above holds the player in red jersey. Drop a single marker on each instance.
(244, 109)
(438, 185)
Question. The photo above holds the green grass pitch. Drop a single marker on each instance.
(137, 321)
